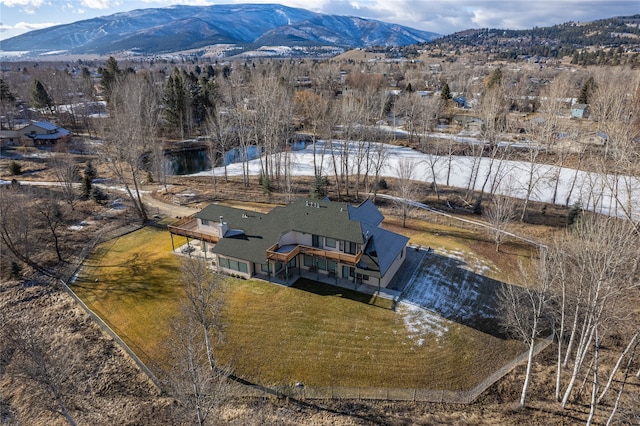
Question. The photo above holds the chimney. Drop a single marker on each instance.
(222, 227)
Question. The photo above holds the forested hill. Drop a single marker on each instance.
(620, 34)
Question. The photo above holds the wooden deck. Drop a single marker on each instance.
(338, 256)
(188, 227)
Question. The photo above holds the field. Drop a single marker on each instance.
(310, 333)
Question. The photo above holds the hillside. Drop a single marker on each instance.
(599, 42)
(178, 28)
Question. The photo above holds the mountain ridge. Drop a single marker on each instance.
(180, 27)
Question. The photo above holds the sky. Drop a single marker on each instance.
(442, 17)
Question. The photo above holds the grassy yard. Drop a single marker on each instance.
(311, 333)
(132, 283)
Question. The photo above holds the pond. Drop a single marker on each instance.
(197, 160)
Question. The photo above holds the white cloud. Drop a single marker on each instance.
(23, 3)
(26, 26)
(185, 2)
(98, 4)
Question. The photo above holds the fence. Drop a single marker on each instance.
(242, 388)
(303, 392)
(70, 276)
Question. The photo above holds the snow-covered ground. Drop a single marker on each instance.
(592, 191)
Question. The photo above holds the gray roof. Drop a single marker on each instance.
(382, 249)
(251, 233)
(366, 212)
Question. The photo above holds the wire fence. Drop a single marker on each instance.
(69, 276)
(302, 392)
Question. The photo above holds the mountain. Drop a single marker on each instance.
(177, 28)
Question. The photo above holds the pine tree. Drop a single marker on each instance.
(446, 92)
(586, 90)
(90, 174)
(495, 78)
(40, 98)
(7, 99)
(110, 74)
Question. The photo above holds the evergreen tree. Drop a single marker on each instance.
(319, 187)
(7, 99)
(5, 93)
(110, 73)
(90, 174)
(586, 90)
(177, 100)
(495, 78)
(40, 97)
(446, 92)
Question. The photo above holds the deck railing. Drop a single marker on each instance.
(188, 227)
(338, 256)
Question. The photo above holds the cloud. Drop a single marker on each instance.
(448, 16)
(99, 4)
(23, 3)
(27, 6)
(26, 26)
(187, 2)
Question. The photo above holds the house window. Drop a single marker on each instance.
(332, 266)
(341, 245)
(348, 272)
(330, 242)
(205, 222)
(233, 265)
(308, 260)
(265, 267)
(322, 263)
(315, 241)
(350, 248)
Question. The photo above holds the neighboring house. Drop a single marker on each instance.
(9, 138)
(580, 110)
(45, 133)
(468, 122)
(461, 102)
(322, 237)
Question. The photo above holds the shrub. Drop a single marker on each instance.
(15, 168)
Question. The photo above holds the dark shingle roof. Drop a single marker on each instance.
(330, 219)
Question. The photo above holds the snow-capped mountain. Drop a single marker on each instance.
(176, 28)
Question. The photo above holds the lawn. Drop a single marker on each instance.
(132, 283)
(311, 333)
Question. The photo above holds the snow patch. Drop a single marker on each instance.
(421, 322)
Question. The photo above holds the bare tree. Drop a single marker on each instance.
(66, 171)
(53, 216)
(406, 189)
(18, 229)
(43, 365)
(198, 388)
(500, 213)
(524, 311)
(591, 272)
(128, 135)
(204, 291)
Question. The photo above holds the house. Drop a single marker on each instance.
(9, 138)
(334, 239)
(45, 133)
(580, 110)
